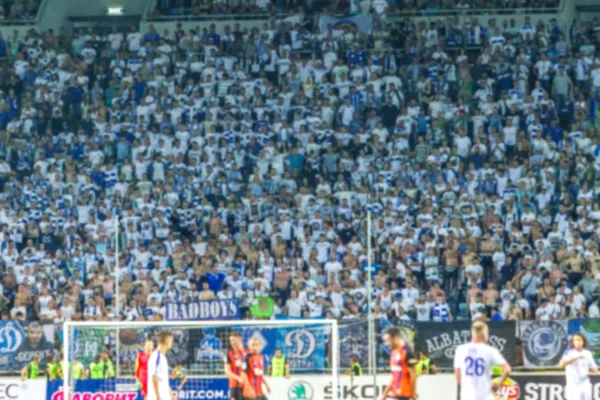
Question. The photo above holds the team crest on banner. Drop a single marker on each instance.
(544, 342)
(303, 347)
(210, 346)
(12, 335)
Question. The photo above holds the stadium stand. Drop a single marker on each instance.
(18, 10)
(242, 163)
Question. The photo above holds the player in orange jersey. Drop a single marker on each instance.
(254, 373)
(403, 384)
(141, 367)
(233, 366)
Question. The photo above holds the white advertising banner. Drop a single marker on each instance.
(315, 387)
(16, 389)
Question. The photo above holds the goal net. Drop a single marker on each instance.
(107, 352)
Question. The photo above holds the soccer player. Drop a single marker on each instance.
(254, 373)
(233, 366)
(578, 362)
(158, 369)
(473, 364)
(403, 384)
(141, 367)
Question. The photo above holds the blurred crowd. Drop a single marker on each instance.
(243, 163)
(352, 7)
(18, 10)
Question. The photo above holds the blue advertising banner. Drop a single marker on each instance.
(354, 342)
(20, 341)
(203, 310)
(126, 389)
(590, 329)
(304, 347)
(12, 335)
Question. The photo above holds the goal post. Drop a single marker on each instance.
(311, 347)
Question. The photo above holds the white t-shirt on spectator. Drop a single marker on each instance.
(335, 267)
(135, 40)
(510, 135)
(423, 311)
(294, 308)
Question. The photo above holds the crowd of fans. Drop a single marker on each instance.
(243, 163)
(352, 7)
(18, 10)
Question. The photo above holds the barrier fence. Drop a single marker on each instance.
(526, 344)
(303, 387)
(520, 386)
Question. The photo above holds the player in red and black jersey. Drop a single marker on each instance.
(233, 366)
(403, 383)
(254, 373)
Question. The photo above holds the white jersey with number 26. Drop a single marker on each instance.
(475, 361)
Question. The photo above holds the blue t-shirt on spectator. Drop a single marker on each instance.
(215, 281)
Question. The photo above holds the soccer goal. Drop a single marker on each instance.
(310, 348)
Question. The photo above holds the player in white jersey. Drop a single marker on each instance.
(578, 362)
(158, 370)
(473, 364)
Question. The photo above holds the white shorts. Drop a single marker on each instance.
(579, 392)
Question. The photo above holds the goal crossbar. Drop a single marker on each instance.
(68, 326)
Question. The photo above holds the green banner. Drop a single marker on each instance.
(263, 307)
(90, 342)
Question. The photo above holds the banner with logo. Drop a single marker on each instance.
(89, 342)
(354, 342)
(319, 387)
(304, 347)
(20, 341)
(16, 389)
(590, 329)
(542, 387)
(439, 387)
(439, 340)
(363, 23)
(126, 389)
(543, 342)
(203, 310)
